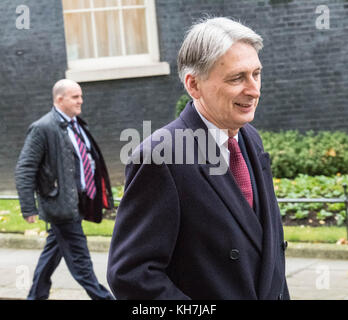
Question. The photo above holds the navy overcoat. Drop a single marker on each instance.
(184, 233)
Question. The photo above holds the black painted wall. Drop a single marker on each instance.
(305, 76)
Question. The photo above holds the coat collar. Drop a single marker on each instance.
(64, 124)
(262, 236)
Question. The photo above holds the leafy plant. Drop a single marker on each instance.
(301, 214)
(323, 214)
(292, 153)
(180, 105)
(305, 186)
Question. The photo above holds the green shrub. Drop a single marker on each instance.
(180, 105)
(293, 153)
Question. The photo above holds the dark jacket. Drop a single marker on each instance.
(46, 165)
(182, 233)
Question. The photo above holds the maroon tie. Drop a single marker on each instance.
(87, 169)
(240, 170)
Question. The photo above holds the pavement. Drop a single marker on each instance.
(314, 271)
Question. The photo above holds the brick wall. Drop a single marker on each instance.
(304, 80)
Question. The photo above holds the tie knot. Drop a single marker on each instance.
(233, 145)
(73, 124)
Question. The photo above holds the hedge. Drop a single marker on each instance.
(181, 103)
(293, 153)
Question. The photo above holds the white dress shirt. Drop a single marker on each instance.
(220, 136)
(76, 147)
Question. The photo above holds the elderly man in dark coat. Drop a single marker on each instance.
(203, 229)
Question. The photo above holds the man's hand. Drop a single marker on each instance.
(31, 219)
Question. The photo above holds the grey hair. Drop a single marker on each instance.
(208, 40)
(60, 87)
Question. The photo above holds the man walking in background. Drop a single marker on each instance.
(62, 163)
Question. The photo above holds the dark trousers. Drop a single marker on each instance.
(67, 241)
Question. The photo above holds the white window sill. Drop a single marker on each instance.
(136, 71)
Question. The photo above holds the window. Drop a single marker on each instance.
(111, 39)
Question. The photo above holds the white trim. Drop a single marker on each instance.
(151, 29)
(94, 31)
(110, 62)
(145, 70)
(104, 9)
(120, 18)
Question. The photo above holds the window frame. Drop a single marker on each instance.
(125, 66)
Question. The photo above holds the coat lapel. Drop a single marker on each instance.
(260, 163)
(262, 236)
(63, 125)
(227, 189)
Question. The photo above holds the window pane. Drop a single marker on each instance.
(132, 2)
(108, 33)
(75, 4)
(105, 3)
(78, 33)
(135, 31)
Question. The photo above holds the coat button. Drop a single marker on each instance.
(234, 254)
(284, 245)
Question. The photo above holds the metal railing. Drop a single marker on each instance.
(322, 200)
(12, 197)
(280, 200)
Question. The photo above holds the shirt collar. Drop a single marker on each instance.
(220, 135)
(65, 116)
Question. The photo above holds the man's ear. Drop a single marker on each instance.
(192, 86)
(59, 99)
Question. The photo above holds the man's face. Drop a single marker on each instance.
(70, 103)
(229, 97)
